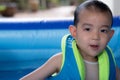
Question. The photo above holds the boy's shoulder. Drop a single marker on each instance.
(57, 60)
(57, 56)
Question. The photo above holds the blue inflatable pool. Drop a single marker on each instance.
(26, 45)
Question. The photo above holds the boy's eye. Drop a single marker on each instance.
(104, 30)
(87, 29)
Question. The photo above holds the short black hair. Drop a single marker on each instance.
(92, 5)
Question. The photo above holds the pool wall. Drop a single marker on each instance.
(26, 45)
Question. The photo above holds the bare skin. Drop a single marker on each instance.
(53, 65)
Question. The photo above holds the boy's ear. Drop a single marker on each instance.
(111, 33)
(72, 30)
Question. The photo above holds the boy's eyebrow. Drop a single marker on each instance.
(87, 24)
(106, 26)
(90, 25)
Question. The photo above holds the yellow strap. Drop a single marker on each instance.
(103, 61)
(79, 61)
(63, 44)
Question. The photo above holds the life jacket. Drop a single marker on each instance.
(73, 64)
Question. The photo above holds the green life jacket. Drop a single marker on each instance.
(73, 64)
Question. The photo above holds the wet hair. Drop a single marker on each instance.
(92, 5)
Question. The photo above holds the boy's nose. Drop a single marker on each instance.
(95, 35)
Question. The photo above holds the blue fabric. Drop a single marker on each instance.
(112, 75)
(70, 69)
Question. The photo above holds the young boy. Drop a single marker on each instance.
(84, 55)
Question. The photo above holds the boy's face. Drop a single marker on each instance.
(92, 32)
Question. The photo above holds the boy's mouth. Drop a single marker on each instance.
(94, 47)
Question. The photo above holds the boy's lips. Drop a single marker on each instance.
(94, 47)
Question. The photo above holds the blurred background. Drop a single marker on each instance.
(37, 8)
(46, 8)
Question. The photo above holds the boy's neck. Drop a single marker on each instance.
(91, 59)
(88, 58)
